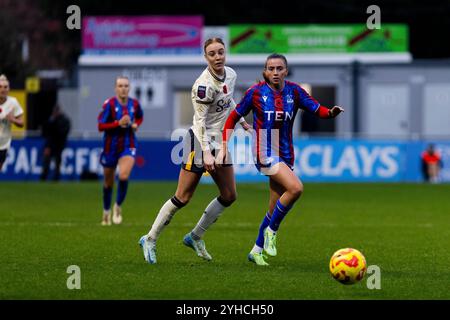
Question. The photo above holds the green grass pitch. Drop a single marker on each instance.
(45, 227)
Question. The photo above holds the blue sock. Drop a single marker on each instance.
(265, 223)
(278, 215)
(107, 194)
(121, 191)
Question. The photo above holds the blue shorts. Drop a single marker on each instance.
(271, 161)
(110, 160)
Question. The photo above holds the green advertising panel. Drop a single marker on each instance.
(348, 38)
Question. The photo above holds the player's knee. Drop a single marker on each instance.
(184, 198)
(296, 191)
(231, 198)
(227, 199)
(108, 183)
(123, 176)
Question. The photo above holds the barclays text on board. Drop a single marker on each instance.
(316, 160)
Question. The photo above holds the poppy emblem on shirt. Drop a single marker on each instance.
(278, 103)
(201, 92)
(225, 90)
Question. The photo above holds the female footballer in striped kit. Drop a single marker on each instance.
(119, 119)
(274, 103)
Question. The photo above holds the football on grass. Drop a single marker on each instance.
(348, 266)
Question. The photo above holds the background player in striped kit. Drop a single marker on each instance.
(119, 119)
(212, 99)
(274, 103)
(10, 112)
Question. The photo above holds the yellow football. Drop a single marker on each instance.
(348, 266)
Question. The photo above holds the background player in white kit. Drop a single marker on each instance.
(212, 98)
(10, 112)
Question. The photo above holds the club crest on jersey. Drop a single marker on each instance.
(201, 92)
(289, 99)
(225, 89)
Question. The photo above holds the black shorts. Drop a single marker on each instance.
(193, 154)
(3, 155)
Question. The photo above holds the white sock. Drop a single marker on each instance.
(256, 249)
(163, 218)
(211, 214)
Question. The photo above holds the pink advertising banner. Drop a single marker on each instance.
(142, 35)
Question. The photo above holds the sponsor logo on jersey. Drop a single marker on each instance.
(201, 92)
(264, 98)
(279, 115)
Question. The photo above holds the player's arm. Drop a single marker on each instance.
(326, 113)
(308, 103)
(241, 110)
(16, 115)
(138, 117)
(17, 120)
(202, 97)
(241, 120)
(105, 119)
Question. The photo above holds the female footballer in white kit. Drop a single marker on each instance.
(212, 98)
(10, 113)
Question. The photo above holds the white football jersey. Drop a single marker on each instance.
(11, 104)
(212, 99)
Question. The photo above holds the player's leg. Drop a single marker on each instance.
(46, 163)
(190, 175)
(224, 179)
(287, 180)
(108, 184)
(433, 172)
(276, 191)
(2, 157)
(58, 159)
(126, 164)
(187, 183)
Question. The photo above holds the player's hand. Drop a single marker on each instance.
(10, 117)
(247, 127)
(125, 121)
(221, 158)
(335, 111)
(208, 160)
(134, 126)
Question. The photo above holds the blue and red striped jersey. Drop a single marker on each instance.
(115, 138)
(273, 117)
